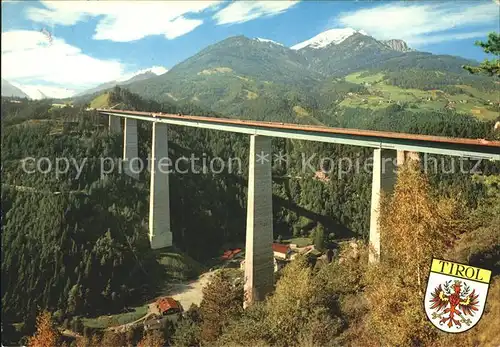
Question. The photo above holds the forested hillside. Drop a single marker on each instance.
(71, 243)
(346, 302)
(74, 242)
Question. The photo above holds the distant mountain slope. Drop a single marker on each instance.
(10, 90)
(232, 74)
(108, 85)
(101, 87)
(354, 53)
(427, 61)
(139, 77)
(259, 59)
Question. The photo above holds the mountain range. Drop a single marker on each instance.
(10, 90)
(334, 74)
(36, 93)
(262, 58)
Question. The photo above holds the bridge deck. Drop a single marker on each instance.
(470, 148)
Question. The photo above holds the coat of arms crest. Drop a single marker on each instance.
(456, 295)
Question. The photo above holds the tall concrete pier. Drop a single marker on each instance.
(385, 164)
(130, 149)
(160, 234)
(114, 124)
(259, 275)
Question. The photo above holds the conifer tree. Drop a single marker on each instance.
(221, 302)
(489, 67)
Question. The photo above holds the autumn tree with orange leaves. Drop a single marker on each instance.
(415, 226)
(46, 334)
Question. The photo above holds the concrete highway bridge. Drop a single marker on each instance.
(259, 227)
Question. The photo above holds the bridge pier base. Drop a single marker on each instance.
(130, 149)
(404, 156)
(160, 234)
(259, 268)
(114, 124)
(385, 163)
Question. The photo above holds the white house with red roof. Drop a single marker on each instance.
(282, 251)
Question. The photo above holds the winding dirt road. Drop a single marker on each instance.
(191, 292)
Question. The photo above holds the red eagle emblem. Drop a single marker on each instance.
(452, 303)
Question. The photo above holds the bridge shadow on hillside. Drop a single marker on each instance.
(280, 228)
(330, 225)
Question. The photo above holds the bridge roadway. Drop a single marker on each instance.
(461, 147)
(259, 225)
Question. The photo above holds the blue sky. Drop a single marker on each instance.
(66, 46)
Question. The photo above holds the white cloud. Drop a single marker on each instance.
(421, 23)
(422, 40)
(124, 21)
(243, 11)
(28, 57)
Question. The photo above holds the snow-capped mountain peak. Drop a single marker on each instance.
(267, 40)
(332, 36)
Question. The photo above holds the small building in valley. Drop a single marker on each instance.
(230, 254)
(282, 254)
(281, 251)
(168, 305)
(168, 310)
